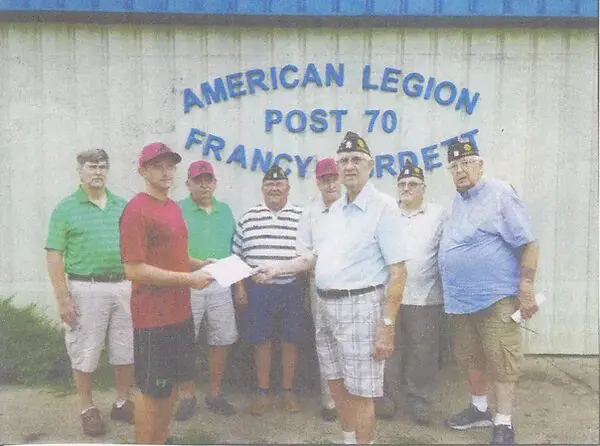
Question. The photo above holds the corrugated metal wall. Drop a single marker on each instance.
(70, 87)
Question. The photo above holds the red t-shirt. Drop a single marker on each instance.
(154, 232)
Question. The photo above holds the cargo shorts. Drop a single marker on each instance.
(489, 338)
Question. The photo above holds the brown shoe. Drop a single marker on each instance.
(92, 423)
(123, 413)
(290, 403)
(259, 407)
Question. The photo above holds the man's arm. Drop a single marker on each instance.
(151, 275)
(530, 253)
(385, 338)
(304, 262)
(240, 297)
(56, 272)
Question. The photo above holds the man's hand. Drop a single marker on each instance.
(265, 273)
(527, 300)
(68, 312)
(200, 279)
(384, 341)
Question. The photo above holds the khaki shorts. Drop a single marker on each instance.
(103, 313)
(216, 303)
(489, 338)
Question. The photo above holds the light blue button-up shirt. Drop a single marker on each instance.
(360, 240)
(479, 256)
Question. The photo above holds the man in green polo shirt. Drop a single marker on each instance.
(84, 265)
(211, 226)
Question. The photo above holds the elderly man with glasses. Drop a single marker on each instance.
(360, 276)
(488, 260)
(415, 364)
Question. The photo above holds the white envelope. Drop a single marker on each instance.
(229, 270)
(516, 316)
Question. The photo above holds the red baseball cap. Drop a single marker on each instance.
(326, 166)
(201, 167)
(154, 150)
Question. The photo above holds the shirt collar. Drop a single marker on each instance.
(474, 191)
(413, 212)
(286, 206)
(362, 199)
(83, 197)
(215, 208)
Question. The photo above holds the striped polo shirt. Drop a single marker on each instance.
(264, 236)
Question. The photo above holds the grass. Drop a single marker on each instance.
(33, 352)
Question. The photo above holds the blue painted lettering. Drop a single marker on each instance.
(390, 78)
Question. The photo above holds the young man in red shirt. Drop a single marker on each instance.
(155, 256)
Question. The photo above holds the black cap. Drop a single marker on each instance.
(275, 173)
(410, 170)
(459, 149)
(353, 143)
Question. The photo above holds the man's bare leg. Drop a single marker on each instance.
(216, 368)
(262, 362)
(152, 417)
(123, 381)
(83, 385)
(364, 410)
(342, 403)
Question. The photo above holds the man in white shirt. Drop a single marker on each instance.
(414, 365)
(360, 276)
(310, 231)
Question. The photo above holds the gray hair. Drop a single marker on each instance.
(92, 156)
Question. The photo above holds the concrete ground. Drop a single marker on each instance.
(557, 403)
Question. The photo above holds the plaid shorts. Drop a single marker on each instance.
(345, 337)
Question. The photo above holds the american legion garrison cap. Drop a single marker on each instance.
(275, 173)
(410, 170)
(353, 143)
(459, 149)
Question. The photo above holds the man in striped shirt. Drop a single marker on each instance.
(266, 233)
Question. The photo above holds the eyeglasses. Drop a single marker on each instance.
(355, 160)
(275, 184)
(455, 165)
(409, 184)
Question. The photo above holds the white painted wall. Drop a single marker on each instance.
(67, 88)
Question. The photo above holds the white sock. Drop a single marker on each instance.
(119, 403)
(501, 418)
(480, 402)
(349, 437)
(84, 411)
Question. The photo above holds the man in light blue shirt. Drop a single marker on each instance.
(360, 274)
(488, 258)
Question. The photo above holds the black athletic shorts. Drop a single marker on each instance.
(163, 357)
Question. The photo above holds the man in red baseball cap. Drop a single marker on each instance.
(211, 226)
(328, 182)
(155, 257)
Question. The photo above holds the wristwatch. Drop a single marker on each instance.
(388, 322)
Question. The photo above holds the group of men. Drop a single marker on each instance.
(382, 273)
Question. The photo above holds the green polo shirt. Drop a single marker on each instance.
(87, 236)
(209, 235)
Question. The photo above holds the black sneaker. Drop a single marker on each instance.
(219, 405)
(186, 409)
(329, 415)
(503, 434)
(469, 418)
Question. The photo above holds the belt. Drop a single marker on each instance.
(338, 294)
(92, 278)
